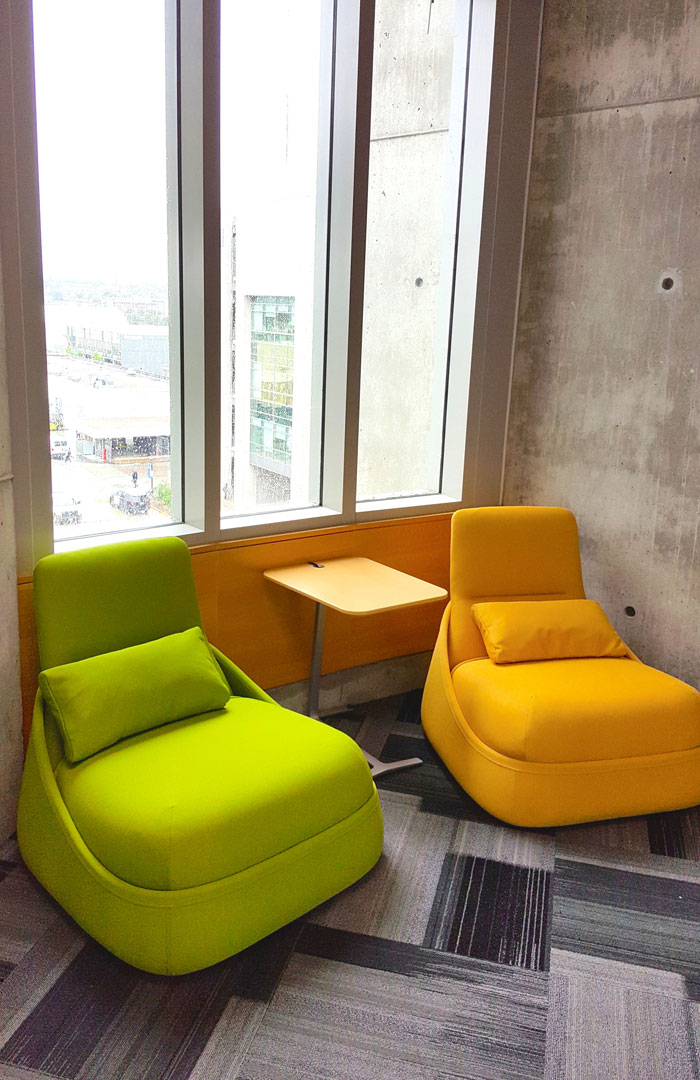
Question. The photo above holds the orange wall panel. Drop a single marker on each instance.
(28, 653)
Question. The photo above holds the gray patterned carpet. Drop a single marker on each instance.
(472, 950)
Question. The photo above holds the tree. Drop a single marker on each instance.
(162, 494)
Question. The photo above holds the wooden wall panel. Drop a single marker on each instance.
(267, 630)
(28, 653)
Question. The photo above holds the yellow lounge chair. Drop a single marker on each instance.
(549, 741)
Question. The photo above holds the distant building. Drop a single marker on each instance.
(88, 330)
(85, 329)
(146, 349)
(127, 425)
(271, 382)
(142, 306)
(110, 440)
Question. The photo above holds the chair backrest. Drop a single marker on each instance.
(508, 553)
(106, 598)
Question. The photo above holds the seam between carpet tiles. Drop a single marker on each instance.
(692, 1042)
(20, 1072)
(263, 1013)
(27, 1005)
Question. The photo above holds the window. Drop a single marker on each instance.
(275, 114)
(418, 92)
(261, 282)
(106, 260)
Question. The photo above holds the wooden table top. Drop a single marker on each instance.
(355, 586)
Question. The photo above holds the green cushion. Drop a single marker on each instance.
(114, 695)
(204, 798)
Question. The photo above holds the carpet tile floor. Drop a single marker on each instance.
(472, 950)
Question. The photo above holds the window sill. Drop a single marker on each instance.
(77, 543)
(310, 517)
(276, 524)
(372, 509)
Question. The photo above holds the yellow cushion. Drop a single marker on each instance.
(546, 630)
(206, 797)
(577, 710)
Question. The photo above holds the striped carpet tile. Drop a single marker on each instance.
(676, 834)
(492, 910)
(472, 951)
(635, 918)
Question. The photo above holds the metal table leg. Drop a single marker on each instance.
(377, 767)
(316, 658)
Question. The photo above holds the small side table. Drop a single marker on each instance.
(355, 586)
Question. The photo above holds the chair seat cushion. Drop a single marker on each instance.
(206, 797)
(577, 710)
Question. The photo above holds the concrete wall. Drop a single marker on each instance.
(411, 209)
(10, 712)
(605, 407)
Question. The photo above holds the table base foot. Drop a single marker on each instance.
(380, 768)
(376, 767)
(328, 714)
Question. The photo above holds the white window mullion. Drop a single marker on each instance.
(200, 267)
(21, 292)
(469, 248)
(211, 223)
(172, 135)
(322, 249)
(350, 137)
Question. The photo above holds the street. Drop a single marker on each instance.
(80, 388)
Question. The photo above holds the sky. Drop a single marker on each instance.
(100, 79)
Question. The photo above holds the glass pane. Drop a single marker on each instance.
(274, 180)
(416, 132)
(101, 120)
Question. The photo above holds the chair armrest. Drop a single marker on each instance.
(239, 682)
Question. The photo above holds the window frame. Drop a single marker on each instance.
(499, 118)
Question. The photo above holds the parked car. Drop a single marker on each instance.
(131, 502)
(60, 450)
(66, 509)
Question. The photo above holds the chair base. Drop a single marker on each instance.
(535, 794)
(175, 932)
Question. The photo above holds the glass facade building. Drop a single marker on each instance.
(271, 382)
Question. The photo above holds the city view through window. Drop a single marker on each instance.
(100, 86)
(275, 104)
(103, 142)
